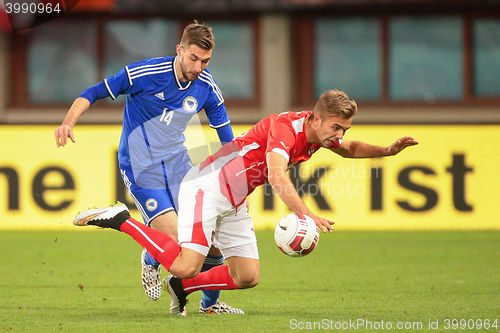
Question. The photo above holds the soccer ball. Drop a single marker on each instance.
(296, 235)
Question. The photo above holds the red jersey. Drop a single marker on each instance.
(281, 133)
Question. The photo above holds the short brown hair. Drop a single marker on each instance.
(335, 103)
(198, 34)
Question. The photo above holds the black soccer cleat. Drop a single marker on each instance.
(177, 294)
(109, 217)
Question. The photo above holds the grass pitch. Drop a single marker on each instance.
(55, 281)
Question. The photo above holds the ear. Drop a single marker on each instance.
(316, 119)
(178, 49)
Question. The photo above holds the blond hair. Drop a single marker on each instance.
(198, 34)
(335, 103)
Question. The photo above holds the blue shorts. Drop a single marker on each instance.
(155, 190)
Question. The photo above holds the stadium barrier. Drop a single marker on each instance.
(448, 181)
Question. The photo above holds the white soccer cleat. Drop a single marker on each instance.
(177, 294)
(221, 308)
(151, 279)
(108, 217)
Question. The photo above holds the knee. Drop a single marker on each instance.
(187, 272)
(248, 280)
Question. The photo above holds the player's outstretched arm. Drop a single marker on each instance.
(401, 144)
(65, 131)
(358, 149)
(282, 185)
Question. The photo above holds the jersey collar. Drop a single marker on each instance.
(179, 84)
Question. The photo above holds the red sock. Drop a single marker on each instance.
(216, 278)
(159, 245)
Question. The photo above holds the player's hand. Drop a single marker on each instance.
(62, 133)
(322, 223)
(401, 144)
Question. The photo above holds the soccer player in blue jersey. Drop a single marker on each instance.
(163, 94)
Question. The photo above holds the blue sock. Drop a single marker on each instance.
(149, 260)
(209, 297)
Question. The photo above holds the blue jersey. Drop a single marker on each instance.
(157, 111)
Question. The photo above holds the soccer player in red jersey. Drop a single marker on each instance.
(212, 196)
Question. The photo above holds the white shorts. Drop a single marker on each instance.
(207, 217)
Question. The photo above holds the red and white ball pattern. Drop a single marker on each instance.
(296, 235)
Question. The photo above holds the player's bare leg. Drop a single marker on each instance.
(245, 272)
(166, 223)
(187, 264)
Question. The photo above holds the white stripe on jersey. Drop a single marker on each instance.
(250, 167)
(216, 89)
(219, 126)
(209, 83)
(135, 73)
(149, 73)
(282, 153)
(211, 78)
(298, 125)
(128, 75)
(146, 66)
(109, 90)
(249, 147)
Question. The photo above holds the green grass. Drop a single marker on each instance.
(55, 281)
